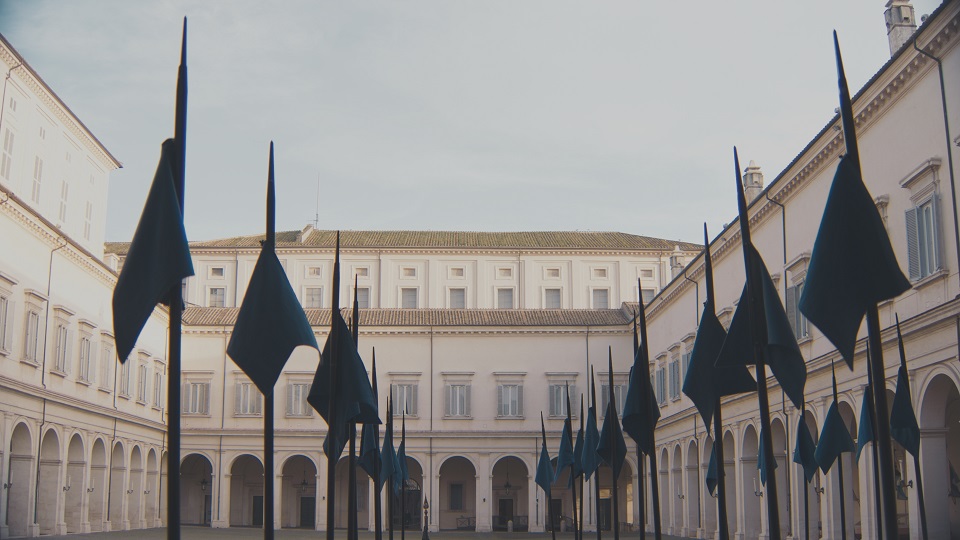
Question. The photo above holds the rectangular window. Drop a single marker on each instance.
(685, 363)
(798, 323)
(408, 298)
(363, 297)
(125, 379)
(646, 273)
(661, 386)
(458, 400)
(215, 272)
(675, 379)
(87, 220)
(218, 297)
(504, 273)
(157, 388)
(313, 297)
(37, 178)
(552, 273)
(408, 272)
(6, 324)
(504, 298)
(405, 399)
(923, 239)
(456, 497)
(551, 299)
(196, 398)
(6, 158)
(558, 398)
(619, 393)
(647, 295)
(456, 272)
(600, 273)
(510, 400)
(61, 348)
(313, 271)
(106, 360)
(142, 383)
(64, 192)
(297, 399)
(31, 335)
(601, 299)
(362, 271)
(86, 373)
(458, 298)
(247, 399)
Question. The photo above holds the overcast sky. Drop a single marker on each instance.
(452, 115)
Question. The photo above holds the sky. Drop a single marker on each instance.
(452, 115)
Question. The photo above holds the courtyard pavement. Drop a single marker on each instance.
(240, 533)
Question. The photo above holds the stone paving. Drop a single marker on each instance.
(240, 533)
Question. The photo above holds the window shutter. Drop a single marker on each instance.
(413, 399)
(237, 398)
(394, 392)
(791, 309)
(448, 398)
(290, 398)
(573, 393)
(913, 244)
(519, 400)
(67, 352)
(466, 398)
(205, 398)
(185, 397)
(935, 233)
(7, 344)
(501, 407)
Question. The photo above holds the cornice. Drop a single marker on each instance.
(435, 331)
(426, 252)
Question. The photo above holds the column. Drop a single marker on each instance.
(635, 479)
(321, 495)
(933, 449)
(484, 493)
(536, 500)
(223, 501)
(277, 477)
(7, 430)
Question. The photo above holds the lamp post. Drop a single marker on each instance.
(426, 520)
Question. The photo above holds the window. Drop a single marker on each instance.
(408, 297)
(504, 272)
(196, 398)
(13, 104)
(647, 295)
(552, 273)
(504, 298)
(551, 299)
(363, 297)
(685, 362)
(362, 271)
(106, 360)
(61, 347)
(408, 272)
(313, 271)
(43, 133)
(599, 273)
(619, 393)
(313, 297)
(405, 399)
(558, 398)
(31, 336)
(86, 371)
(798, 323)
(64, 192)
(456, 271)
(675, 379)
(157, 388)
(661, 387)
(601, 299)
(142, 383)
(37, 178)
(216, 272)
(6, 324)
(456, 496)
(458, 298)
(6, 157)
(125, 379)
(646, 273)
(297, 405)
(458, 400)
(923, 239)
(247, 399)
(87, 220)
(510, 400)
(217, 297)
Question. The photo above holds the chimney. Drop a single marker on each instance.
(677, 262)
(752, 181)
(901, 23)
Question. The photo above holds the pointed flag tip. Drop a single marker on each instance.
(183, 43)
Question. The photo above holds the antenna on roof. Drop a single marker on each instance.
(316, 215)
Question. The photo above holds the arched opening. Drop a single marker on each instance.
(76, 465)
(196, 490)
(362, 486)
(97, 484)
(780, 453)
(710, 503)
(750, 480)
(813, 521)
(50, 488)
(19, 479)
(939, 419)
(298, 494)
(151, 490)
(246, 492)
(902, 464)
(730, 475)
(851, 477)
(116, 487)
(408, 502)
(510, 498)
(625, 496)
(676, 486)
(457, 508)
(135, 489)
(666, 490)
(692, 492)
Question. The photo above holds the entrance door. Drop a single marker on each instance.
(308, 513)
(257, 511)
(605, 517)
(504, 513)
(556, 513)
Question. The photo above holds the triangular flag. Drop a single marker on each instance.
(389, 466)
(713, 479)
(762, 462)
(804, 453)
(158, 258)
(834, 439)
(369, 458)
(640, 409)
(578, 449)
(565, 455)
(544, 475)
(903, 421)
(591, 436)
(852, 266)
(612, 449)
(865, 429)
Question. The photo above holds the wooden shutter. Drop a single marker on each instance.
(791, 309)
(185, 397)
(290, 397)
(448, 399)
(466, 399)
(913, 244)
(7, 344)
(935, 233)
(501, 409)
(519, 400)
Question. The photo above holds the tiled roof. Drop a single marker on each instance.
(445, 239)
(204, 316)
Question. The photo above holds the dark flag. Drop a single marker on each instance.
(762, 460)
(612, 449)
(852, 266)
(158, 258)
(369, 459)
(865, 429)
(389, 466)
(544, 477)
(639, 420)
(712, 475)
(903, 421)
(578, 446)
(565, 454)
(954, 483)
(591, 437)
(834, 439)
(804, 454)
(402, 452)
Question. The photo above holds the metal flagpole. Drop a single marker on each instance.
(334, 390)
(806, 487)
(868, 396)
(721, 473)
(843, 506)
(614, 469)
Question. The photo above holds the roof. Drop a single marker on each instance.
(444, 239)
(205, 316)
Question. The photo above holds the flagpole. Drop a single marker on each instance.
(721, 473)
(573, 485)
(757, 330)
(806, 486)
(352, 525)
(390, 487)
(332, 403)
(583, 497)
(654, 471)
(546, 494)
(642, 495)
(613, 466)
(868, 398)
(884, 449)
(403, 481)
(843, 506)
(916, 459)
(596, 473)
(377, 503)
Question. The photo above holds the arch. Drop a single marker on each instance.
(97, 484)
(692, 492)
(510, 493)
(730, 474)
(939, 419)
(410, 496)
(812, 494)
(362, 492)
(196, 489)
(458, 488)
(677, 489)
(246, 491)
(151, 489)
(20, 479)
(49, 488)
(72, 498)
(750, 480)
(298, 493)
(135, 488)
(116, 478)
(781, 451)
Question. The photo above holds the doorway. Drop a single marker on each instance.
(258, 510)
(605, 516)
(308, 517)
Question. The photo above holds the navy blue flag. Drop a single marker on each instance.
(578, 452)
(369, 458)
(356, 403)
(781, 351)
(158, 258)
(591, 436)
(903, 421)
(762, 462)
(402, 461)
(544, 475)
(612, 449)
(713, 479)
(804, 453)
(389, 466)
(834, 439)
(565, 455)
(865, 429)
(639, 421)
(852, 266)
